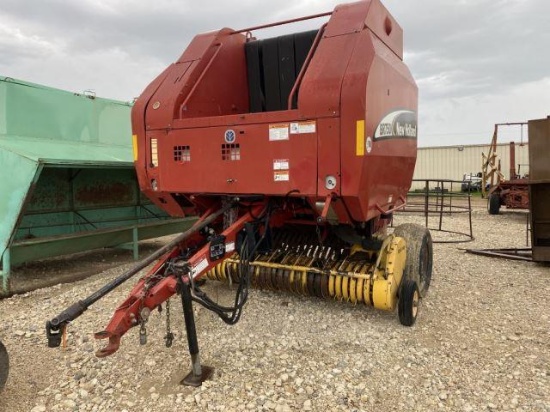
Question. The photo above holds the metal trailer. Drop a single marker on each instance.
(67, 181)
(295, 150)
(512, 193)
(539, 188)
(539, 199)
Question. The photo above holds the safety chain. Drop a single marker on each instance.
(143, 311)
(169, 337)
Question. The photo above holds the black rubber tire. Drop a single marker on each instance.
(409, 299)
(4, 366)
(493, 204)
(419, 264)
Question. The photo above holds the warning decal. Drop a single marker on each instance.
(281, 164)
(281, 176)
(302, 127)
(199, 267)
(278, 132)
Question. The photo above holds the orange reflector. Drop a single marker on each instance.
(360, 138)
(135, 147)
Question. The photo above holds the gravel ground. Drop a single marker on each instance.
(481, 342)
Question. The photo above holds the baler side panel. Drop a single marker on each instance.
(392, 164)
(200, 43)
(181, 80)
(143, 138)
(328, 155)
(378, 178)
(327, 71)
(138, 128)
(162, 107)
(157, 112)
(348, 18)
(319, 94)
(354, 103)
(384, 26)
(223, 88)
(253, 164)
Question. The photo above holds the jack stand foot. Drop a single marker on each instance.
(196, 380)
(198, 373)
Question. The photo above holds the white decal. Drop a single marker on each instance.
(303, 127)
(280, 164)
(281, 176)
(199, 267)
(278, 132)
(229, 247)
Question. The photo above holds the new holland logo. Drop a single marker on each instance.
(230, 136)
(397, 124)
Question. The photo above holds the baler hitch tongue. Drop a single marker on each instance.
(56, 327)
(111, 347)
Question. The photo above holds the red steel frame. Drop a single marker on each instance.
(128, 314)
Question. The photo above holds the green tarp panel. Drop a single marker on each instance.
(66, 167)
(45, 126)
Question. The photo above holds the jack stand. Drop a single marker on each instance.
(198, 374)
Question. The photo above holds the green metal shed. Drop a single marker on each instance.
(67, 181)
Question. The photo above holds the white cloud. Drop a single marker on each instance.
(475, 61)
(471, 119)
(15, 43)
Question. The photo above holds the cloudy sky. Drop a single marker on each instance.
(476, 62)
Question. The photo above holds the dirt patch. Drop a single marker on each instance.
(78, 266)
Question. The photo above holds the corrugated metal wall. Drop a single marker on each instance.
(452, 162)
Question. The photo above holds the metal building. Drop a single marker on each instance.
(452, 162)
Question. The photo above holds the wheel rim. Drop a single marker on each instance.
(415, 301)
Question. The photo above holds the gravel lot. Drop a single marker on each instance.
(481, 342)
